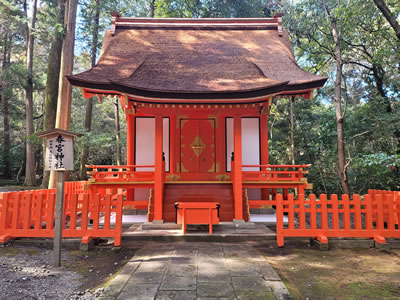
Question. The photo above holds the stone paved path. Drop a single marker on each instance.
(188, 271)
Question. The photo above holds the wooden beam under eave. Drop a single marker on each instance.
(85, 95)
(308, 95)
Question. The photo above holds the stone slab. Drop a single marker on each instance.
(119, 281)
(178, 283)
(146, 277)
(268, 272)
(160, 226)
(215, 289)
(152, 266)
(67, 243)
(242, 267)
(139, 291)
(254, 295)
(351, 243)
(86, 246)
(318, 245)
(390, 244)
(176, 295)
(250, 283)
(181, 269)
(215, 276)
(279, 289)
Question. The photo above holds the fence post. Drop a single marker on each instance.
(389, 200)
(118, 222)
(280, 239)
(4, 217)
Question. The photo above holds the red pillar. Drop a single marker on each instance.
(264, 148)
(238, 190)
(264, 139)
(130, 149)
(158, 170)
(172, 145)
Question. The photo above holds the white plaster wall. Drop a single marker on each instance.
(229, 143)
(145, 140)
(250, 142)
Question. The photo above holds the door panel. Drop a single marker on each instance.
(198, 145)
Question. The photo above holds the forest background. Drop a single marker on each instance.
(349, 131)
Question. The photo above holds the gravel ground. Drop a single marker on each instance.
(25, 273)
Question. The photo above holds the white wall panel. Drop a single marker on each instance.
(145, 140)
(250, 142)
(229, 143)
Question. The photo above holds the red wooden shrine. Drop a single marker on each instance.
(197, 94)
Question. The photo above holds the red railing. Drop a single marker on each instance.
(374, 198)
(362, 217)
(75, 187)
(275, 172)
(31, 214)
(126, 173)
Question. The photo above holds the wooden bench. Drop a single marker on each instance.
(197, 213)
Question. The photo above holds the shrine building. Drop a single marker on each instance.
(197, 95)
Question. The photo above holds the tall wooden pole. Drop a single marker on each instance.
(67, 63)
(58, 224)
(63, 117)
(30, 148)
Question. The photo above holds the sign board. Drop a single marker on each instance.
(59, 153)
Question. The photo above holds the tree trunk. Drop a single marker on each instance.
(63, 117)
(64, 99)
(53, 77)
(30, 147)
(117, 132)
(338, 105)
(6, 123)
(89, 103)
(389, 17)
(379, 74)
(152, 8)
(291, 99)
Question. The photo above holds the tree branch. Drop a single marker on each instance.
(389, 17)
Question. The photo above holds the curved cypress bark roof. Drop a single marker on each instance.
(197, 59)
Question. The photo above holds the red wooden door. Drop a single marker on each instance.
(198, 145)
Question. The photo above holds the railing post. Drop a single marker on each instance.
(118, 222)
(280, 239)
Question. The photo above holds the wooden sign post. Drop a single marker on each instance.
(59, 158)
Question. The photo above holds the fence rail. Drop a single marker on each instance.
(375, 215)
(32, 213)
(120, 173)
(274, 172)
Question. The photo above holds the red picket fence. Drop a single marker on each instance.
(32, 214)
(375, 215)
(75, 187)
(374, 193)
